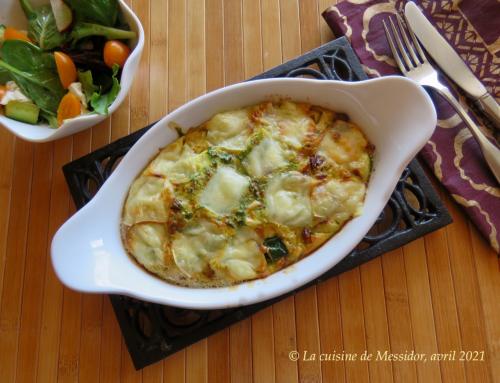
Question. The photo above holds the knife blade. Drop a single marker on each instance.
(450, 62)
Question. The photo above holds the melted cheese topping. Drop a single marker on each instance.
(178, 163)
(229, 130)
(224, 191)
(338, 199)
(193, 247)
(287, 199)
(344, 143)
(264, 158)
(245, 194)
(241, 258)
(292, 122)
(148, 200)
(147, 242)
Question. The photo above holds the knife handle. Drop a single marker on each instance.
(490, 151)
(490, 107)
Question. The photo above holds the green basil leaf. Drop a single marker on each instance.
(276, 249)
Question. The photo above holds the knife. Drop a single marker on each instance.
(450, 62)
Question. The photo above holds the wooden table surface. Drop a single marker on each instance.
(438, 294)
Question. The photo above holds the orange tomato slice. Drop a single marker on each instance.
(115, 52)
(14, 34)
(69, 107)
(65, 68)
(3, 90)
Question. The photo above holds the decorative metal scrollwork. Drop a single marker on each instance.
(331, 66)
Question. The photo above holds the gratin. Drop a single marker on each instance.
(246, 193)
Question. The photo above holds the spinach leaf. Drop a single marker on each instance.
(81, 30)
(101, 102)
(103, 12)
(42, 26)
(26, 56)
(43, 30)
(276, 249)
(34, 72)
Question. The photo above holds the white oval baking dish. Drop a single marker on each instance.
(397, 116)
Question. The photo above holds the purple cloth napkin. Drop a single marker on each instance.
(471, 26)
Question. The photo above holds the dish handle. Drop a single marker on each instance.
(81, 256)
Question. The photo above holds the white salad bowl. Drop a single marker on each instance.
(397, 116)
(13, 15)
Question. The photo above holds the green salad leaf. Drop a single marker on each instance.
(87, 82)
(82, 30)
(50, 118)
(42, 26)
(28, 9)
(35, 73)
(101, 102)
(4, 76)
(104, 12)
(43, 30)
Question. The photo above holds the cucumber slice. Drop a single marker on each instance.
(22, 111)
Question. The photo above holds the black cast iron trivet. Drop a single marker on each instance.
(152, 331)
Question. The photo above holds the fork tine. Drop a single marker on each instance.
(407, 42)
(394, 50)
(415, 41)
(400, 46)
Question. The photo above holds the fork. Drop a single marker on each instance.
(416, 67)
